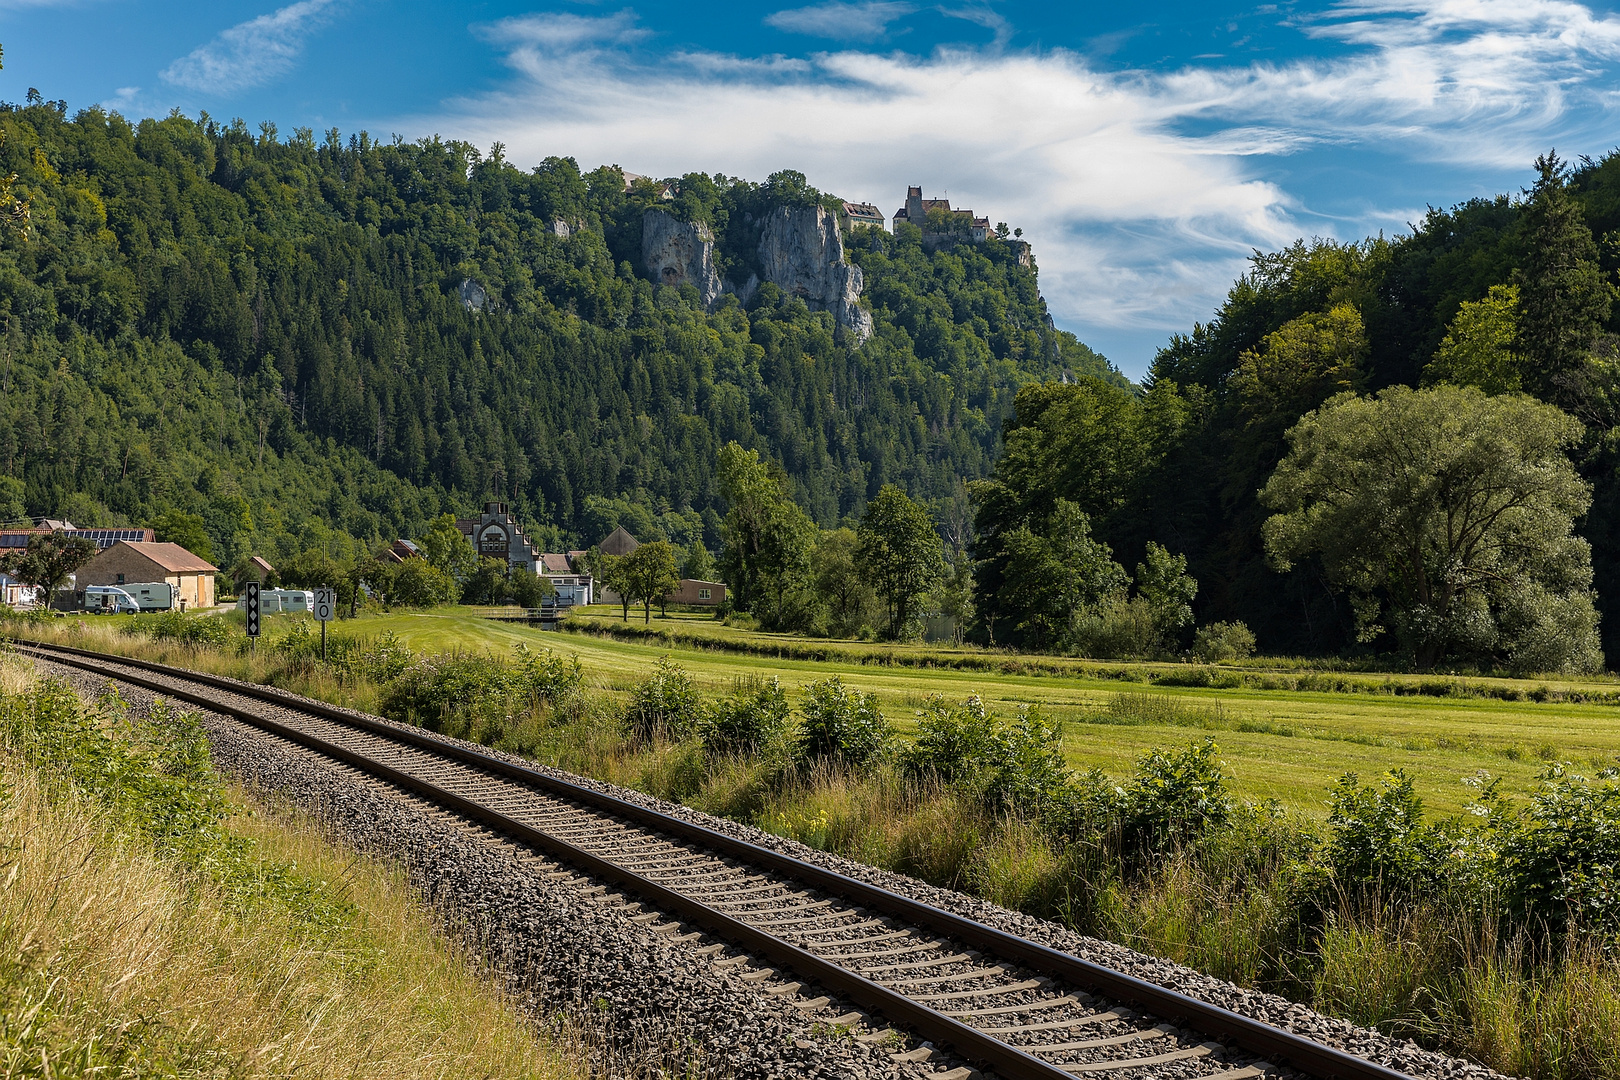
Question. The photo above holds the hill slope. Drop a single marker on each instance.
(268, 333)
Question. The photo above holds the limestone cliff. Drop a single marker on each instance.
(802, 252)
(679, 253)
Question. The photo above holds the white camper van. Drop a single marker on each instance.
(152, 595)
(296, 599)
(109, 600)
(276, 601)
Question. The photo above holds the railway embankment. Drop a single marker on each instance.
(657, 997)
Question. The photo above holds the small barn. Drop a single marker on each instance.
(131, 561)
(255, 569)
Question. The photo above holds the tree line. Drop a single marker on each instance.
(1402, 447)
(262, 338)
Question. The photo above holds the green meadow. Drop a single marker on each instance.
(1287, 745)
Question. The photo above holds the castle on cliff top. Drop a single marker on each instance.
(916, 211)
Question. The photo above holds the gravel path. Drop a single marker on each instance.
(766, 1020)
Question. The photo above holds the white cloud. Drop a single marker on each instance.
(1142, 191)
(252, 53)
(563, 31)
(866, 21)
(984, 16)
(123, 100)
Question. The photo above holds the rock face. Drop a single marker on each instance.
(678, 253)
(802, 253)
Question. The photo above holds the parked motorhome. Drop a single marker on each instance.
(152, 595)
(109, 600)
(276, 601)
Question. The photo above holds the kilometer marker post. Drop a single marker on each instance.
(325, 606)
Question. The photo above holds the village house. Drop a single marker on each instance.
(400, 550)
(568, 577)
(666, 189)
(102, 538)
(863, 214)
(495, 534)
(690, 591)
(15, 593)
(130, 561)
(255, 569)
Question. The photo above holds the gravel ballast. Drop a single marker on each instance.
(644, 1005)
(446, 863)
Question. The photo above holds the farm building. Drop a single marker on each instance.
(690, 591)
(129, 561)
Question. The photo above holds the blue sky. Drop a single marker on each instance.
(1145, 151)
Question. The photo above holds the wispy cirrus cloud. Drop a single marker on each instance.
(251, 53)
(554, 31)
(1143, 190)
(839, 21)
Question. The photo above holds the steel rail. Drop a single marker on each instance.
(1254, 1036)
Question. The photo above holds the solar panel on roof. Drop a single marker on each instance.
(105, 538)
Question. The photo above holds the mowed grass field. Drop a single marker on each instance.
(1285, 745)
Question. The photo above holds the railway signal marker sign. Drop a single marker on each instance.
(252, 609)
(325, 604)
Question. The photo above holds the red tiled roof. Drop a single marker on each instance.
(172, 557)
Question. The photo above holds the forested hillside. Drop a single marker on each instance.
(1507, 295)
(268, 334)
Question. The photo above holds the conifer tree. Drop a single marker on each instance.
(1563, 297)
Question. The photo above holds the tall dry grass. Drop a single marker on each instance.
(1231, 906)
(114, 962)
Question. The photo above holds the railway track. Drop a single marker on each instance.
(1005, 1004)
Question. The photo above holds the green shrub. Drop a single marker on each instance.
(751, 721)
(1200, 676)
(456, 693)
(955, 743)
(1027, 773)
(1222, 642)
(1378, 840)
(546, 678)
(1011, 766)
(664, 705)
(380, 660)
(198, 631)
(1176, 796)
(1116, 629)
(841, 725)
(1559, 858)
(299, 644)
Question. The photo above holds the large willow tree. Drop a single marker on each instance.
(1448, 517)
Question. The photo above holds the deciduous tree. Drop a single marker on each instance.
(1478, 347)
(1448, 517)
(901, 550)
(768, 538)
(649, 574)
(1055, 572)
(48, 561)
